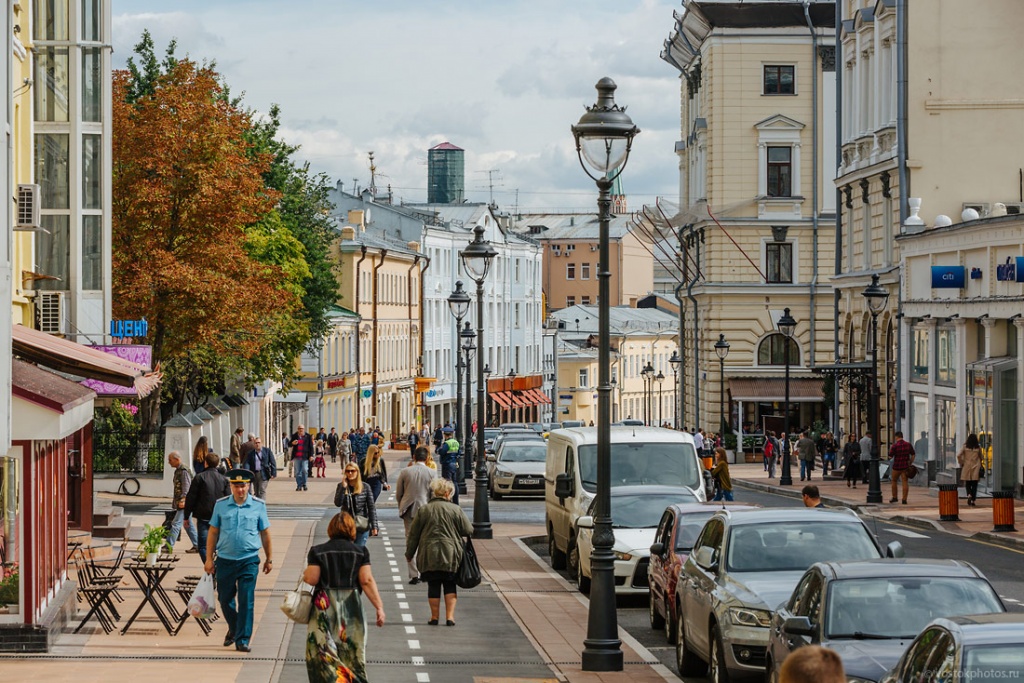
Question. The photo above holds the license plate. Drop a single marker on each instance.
(529, 482)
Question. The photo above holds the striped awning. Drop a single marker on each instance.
(539, 396)
(502, 399)
(801, 390)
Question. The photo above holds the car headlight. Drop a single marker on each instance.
(502, 473)
(742, 616)
(622, 556)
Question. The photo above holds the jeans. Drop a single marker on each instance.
(771, 467)
(202, 531)
(376, 485)
(237, 577)
(176, 523)
(301, 472)
(972, 488)
(361, 538)
(451, 473)
(828, 462)
(808, 467)
(722, 493)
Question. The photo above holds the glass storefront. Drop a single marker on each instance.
(946, 437)
(9, 504)
(992, 415)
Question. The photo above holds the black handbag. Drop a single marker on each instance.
(468, 575)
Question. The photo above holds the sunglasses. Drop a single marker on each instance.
(351, 471)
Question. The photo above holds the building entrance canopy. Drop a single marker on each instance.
(773, 389)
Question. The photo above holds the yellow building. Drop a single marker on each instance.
(23, 174)
(757, 207)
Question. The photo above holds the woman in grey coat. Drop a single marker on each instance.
(435, 540)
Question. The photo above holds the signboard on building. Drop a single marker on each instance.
(948, 277)
(136, 353)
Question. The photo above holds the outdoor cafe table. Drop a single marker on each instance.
(150, 581)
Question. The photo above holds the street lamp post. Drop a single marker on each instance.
(476, 260)
(511, 388)
(674, 361)
(786, 326)
(458, 304)
(615, 403)
(648, 375)
(604, 136)
(877, 298)
(722, 349)
(468, 336)
(661, 378)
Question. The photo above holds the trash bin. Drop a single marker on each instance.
(949, 503)
(709, 462)
(1002, 511)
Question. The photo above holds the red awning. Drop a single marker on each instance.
(80, 360)
(538, 396)
(501, 398)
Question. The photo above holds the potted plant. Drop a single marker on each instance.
(9, 584)
(153, 541)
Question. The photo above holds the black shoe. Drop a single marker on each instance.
(449, 622)
(305, 488)
(432, 622)
(893, 500)
(243, 648)
(904, 502)
(229, 639)
(414, 581)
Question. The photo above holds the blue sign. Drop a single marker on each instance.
(1006, 272)
(948, 277)
(367, 393)
(1020, 269)
(129, 328)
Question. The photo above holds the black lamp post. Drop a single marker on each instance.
(648, 376)
(604, 136)
(487, 379)
(661, 378)
(615, 403)
(675, 361)
(468, 336)
(476, 260)
(877, 298)
(722, 349)
(786, 326)
(511, 388)
(458, 304)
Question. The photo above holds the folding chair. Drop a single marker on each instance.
(97, 595)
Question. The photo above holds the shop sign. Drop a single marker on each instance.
(129, 328)
(948, 277)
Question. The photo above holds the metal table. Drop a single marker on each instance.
(150, 581)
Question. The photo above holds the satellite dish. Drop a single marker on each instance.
(367, 214)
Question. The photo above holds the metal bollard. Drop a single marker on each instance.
(949, 503)
(1002, 511)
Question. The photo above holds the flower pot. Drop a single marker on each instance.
(151, 559)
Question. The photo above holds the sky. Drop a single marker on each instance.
(502, 79)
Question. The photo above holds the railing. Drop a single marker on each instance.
(120, 451)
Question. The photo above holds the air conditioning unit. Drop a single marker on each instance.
(50, 310)
(28, 207)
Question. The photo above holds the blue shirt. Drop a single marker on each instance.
(239, 526)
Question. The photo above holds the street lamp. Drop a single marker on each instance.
(615, 403)
(468, 336)
(511, 388)
(648, 375)
(877, 298)
(487, 379)
(458, 304)
(476, 260)
(604, 136)
(661, 378)
(722, 349)
(786, 326)
(675, 361)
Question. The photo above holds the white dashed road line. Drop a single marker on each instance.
(907, 533)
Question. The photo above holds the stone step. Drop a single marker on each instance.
(118, 527)
(104, 515)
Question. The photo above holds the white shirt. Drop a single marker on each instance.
(698, 441)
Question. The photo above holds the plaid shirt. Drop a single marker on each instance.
(900, 454)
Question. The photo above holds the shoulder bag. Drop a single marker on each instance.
(468, 575)
(362, 521)
(298, 604)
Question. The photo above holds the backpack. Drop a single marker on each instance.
(768, 448)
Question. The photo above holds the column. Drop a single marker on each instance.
(1019, 322)
(762, 166)
(961, 378)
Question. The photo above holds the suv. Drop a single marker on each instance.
(744, 564)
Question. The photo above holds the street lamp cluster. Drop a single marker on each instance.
(722, 349)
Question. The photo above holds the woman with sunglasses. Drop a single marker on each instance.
(355, 498)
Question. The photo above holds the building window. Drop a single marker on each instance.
(570, 301)
(779, 80)
(779, 256)
(585, 300)
(919, 354)
(92, 252)
(780, 172)
(570, 271)
(569, 248)
(584, 378)
(584, 271)
(771, 349)
(517, 315)
(945, 371)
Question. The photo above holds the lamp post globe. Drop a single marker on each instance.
(786, 325)
(877, 298)
(722, 350)
(661, 378)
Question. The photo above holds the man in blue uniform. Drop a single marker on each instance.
(237, 529)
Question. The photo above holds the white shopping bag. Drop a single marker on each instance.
(203, 604)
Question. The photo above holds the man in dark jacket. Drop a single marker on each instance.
(359, 446)
(332, 443)
(207, 488)
(302, 455)
(806, 451)
(260, 461)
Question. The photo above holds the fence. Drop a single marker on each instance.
(121, 451)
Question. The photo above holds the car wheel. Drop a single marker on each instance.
(583, 582)
(657, 621)
(671, 626)
(556, 556)
(495, 495)
(770, 674)
(572, 558)
(718, 673)
(687, 661)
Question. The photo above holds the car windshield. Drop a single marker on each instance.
(643, 511)
(900, 607)
(989, 662)
(523, 453)
(689, 528)
(796, 545)
(491, 433)
(634, 462)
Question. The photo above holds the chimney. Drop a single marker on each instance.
(357, 217)
(348, 233)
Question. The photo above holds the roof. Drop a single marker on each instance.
(622, 319)
(569, 226)
(987, 629)
(764, 13)
(588, 435)
(871, 569)
(47, 389)
(774, 515)
(801, 389)
(447, 146)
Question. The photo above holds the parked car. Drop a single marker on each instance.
(629, 423)
(985, 647)
(517, 435)
(744, 564)
(517, 468)
(869, 612)
(489, 434)
(552, 426)
(678, 530)
(539, 427)
(636, 511)
(569, 424)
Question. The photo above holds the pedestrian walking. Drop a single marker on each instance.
(827, 448)
(866, 453)
(851, 460)
(319, 462)
(336, 634)
(448, 455)
(238, 528)
(413, 440)
(182, 482)
(776, 457)
(375, 473)
(332, 444)
(901, 455)
(207, 488)
(199, 454)
(235, 454)
(720, 473)
(302, 451)
(971, 470)
(355, 498)
(806, 451)
(360, 444)
(435, 540)
(260, 461)
(412, 491)
(344, 449)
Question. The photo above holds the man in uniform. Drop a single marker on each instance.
(448, 455)
(238, 528)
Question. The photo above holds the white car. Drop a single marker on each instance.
(517, 468)
(636, 512)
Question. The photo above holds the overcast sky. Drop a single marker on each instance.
(502, 79)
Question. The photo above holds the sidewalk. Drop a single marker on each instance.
(922, 507)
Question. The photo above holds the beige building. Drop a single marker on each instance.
(757, 207)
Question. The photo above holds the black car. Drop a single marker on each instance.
(868, 612)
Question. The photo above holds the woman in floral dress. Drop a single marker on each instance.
(336, 635)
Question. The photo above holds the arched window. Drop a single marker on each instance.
(770, 351)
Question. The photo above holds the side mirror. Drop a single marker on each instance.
(706, 558)
(895, 550)
(657, 549)
(564, 486)
(491, 457)
(585, 522)
(798, 626)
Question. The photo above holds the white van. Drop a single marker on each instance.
(640, 455)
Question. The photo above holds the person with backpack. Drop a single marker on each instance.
(767, 451)
(448, 455)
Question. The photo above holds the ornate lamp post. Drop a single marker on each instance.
(604, 136)
(786, 326)
(511, 388)
(615, 403)
(722, 349)
(468, 336)
(648, 376)
(476, 260)
(661, 378)
(458, 304)
(675, 361)
(877, 298)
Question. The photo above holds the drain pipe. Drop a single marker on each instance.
(901, 160)
(839, 223)
(377, 265)
(816, 172)
(696, 346)
(682, 328)
(359, 370)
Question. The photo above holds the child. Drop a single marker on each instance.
(318, 462)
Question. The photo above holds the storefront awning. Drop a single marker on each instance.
(80, 360)
(502, 399)
(293, 397)
(773, 389)
(539, 396)
(45, 405)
